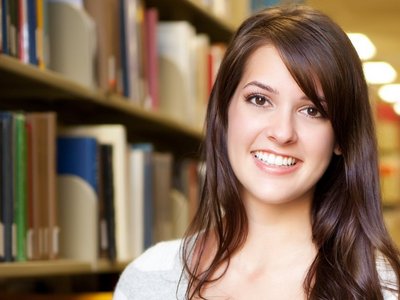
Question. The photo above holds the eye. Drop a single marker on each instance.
(311, 112)
(258, 100)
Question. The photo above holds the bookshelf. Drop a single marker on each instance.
(217, 28)
(57, 267)
(28, 88)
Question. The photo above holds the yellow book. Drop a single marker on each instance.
(39, 34)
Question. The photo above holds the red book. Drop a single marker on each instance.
(151, 20)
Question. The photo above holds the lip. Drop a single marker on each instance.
(273, 169)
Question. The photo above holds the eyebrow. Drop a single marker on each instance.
(262, 86)
(274, 91)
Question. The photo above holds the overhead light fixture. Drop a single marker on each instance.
(396, 108)
(390, 93)
(363, 45)
(379, 72)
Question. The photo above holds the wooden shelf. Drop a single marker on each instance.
(205, 21)
(57, 267)
(31, 89)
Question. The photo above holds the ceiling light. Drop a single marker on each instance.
(379, 72)
(390, 93)
(363, 45)
(396, 108)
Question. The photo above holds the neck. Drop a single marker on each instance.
(278, 232)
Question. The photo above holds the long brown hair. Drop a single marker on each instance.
(347, 223)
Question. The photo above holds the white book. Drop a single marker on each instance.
(72, 36)
(136, 200)
(201, 44)
(141, 197)
(78, 206)
(176, 70)
(132, 46)
(115, 135)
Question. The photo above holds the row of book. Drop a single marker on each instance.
(84, 193)
(27, 184)
(23, 30)
(118, 46)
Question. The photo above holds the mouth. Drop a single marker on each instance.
(274, 159)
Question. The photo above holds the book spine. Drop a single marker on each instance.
(5, 25)
(40, 33)
(13, 27)
(1, 26)
(20, 187)
(108, 192)
(2, 240)
(32, 26)
(7, 184)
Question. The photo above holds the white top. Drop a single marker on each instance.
(156, 275)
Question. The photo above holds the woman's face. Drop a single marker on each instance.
(279, 145)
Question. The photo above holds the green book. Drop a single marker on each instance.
(20, 179)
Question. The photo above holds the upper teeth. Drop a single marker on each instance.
(273, 159)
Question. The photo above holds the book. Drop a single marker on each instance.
(78, 219)
(106, 203)
(176, 72)
(20, 179)
(40, 32)
(7, 184)
(2, 241)
(23, 31)
(217, 51)
(189, 184)
(72, 35)
(32, 27)
(201, 50)
(140, 201)
(151, 21)
(1, 26)
(4, 27)
(78, 156)
(105, 15)
(162, 164)
(43, 231)
(13, 27)
(131, 16)
(180, 213)
(115, 135)
(77, 172)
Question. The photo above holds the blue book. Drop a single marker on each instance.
(147, 149)
(124, 50)
(7, 197)
(32, 27)
(78, 156)
(4, 27)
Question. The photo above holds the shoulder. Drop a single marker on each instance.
(154, 274)
(161, 257)
(387, 277)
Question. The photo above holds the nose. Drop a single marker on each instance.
(281, 127)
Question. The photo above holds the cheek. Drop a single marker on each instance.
(321, 142)
(240, 130)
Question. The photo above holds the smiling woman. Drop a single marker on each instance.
(291, 205)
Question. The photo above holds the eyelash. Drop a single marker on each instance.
(252, 98)
(318, 116)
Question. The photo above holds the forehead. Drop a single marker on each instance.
(267, 64)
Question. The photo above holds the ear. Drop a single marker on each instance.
(337, 150)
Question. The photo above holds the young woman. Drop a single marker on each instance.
(291, 205)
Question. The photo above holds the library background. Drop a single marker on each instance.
(101, 111)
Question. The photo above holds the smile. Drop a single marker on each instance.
(275, 160)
